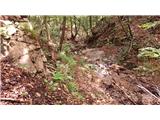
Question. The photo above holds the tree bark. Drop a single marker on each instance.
(50, 43)
(90, 22)
(63, 33)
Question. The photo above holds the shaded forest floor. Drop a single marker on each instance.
(117, 86)
(99, 80)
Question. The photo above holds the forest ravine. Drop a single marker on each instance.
(80, 60)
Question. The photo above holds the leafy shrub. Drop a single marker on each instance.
(67, 58)
(149, 25)
(149, 57)
(65, 71)
(149, 52)
(67, 47)
(72, 87)
(78, 95)
(58, 76)
(51, 85)
(65, 68)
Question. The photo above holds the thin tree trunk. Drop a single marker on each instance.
(83, 26)
(47, 29)
(76, 29)
(90, 22)
(50, 43)
(71, 27)
(63, 33)
(130, 34)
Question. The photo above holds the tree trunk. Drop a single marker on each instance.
(71, 27)
(47, 29)
(63, 33)
(90, 22)
(50, 43)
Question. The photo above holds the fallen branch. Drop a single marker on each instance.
(15, 100)
(128, 96)
(146, 90)
(158, 91)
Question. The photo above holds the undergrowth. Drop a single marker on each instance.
(150, 61)
(64, 73)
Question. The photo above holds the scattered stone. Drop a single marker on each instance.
(38, 94)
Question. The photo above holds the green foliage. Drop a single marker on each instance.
(149, 25)
(52, 85)
(28, 29)
(58, 76)
(149, 52)
(64, 70)
(55, 31)
(67, 47)
(66, 55)
(67, 58)
(72, 87)
(66, 64)
(82, 62)
(142, 69)
(78, 95)
(149, 57)
(26, 26)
